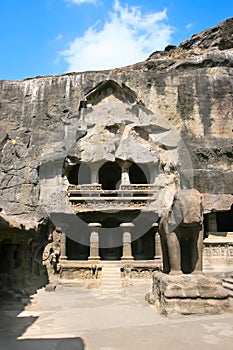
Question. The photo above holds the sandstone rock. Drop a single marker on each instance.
(50, 287)
(145, 113)
(216, 202)
(187, 294)
(218, 37)
(42, 122)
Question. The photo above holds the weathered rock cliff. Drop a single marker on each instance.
(190, 86)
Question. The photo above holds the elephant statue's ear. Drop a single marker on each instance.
(173, 221)
(186, 208)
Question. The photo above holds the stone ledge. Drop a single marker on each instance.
(187, 294)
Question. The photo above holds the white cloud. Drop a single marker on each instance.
(128, 36)
(58, 37)
(80, 2)
(189, 26)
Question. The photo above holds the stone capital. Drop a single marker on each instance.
(127, 225)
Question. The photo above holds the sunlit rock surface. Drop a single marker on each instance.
(144, 113)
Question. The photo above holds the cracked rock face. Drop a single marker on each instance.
(120, 114)
(187, 295)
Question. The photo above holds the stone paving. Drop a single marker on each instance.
(73, 318)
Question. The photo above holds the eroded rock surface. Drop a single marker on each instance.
(189, 86)
(187, 294)
(141, 113)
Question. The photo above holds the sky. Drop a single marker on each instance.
(50, 37)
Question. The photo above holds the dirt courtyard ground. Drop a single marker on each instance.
(73, 318)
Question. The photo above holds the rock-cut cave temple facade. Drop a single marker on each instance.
(91, 162)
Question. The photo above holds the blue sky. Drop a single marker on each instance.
(46, 37)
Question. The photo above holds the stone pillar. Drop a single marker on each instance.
(63, 247)
(153, 169)
(94, 241)
(158, 248)
(127, 249)
(125, 165)
(212, 222)
(125, 176)
(94, 172)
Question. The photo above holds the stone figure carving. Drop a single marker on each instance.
(230, 250)
(52, 250)
(181, 234)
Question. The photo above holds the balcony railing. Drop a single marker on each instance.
(127, 196)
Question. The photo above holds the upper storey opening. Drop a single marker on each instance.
(105, 89)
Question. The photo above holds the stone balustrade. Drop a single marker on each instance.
(93, 196)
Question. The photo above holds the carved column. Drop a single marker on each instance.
(125, 165)
(94, 167)
(153, 173)
(158, 249)
(63, 247)
(212, 222)
(127, 249)
(94, 241)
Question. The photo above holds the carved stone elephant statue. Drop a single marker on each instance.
(181, 233)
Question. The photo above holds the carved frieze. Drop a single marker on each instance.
(218, 250)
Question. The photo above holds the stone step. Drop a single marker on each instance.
(227, 283)
(111, 291)
(230, 292)
(107, 283)
(113, 272)
(110, 272)
(228, 280)
(111, 279)
(111, 269)
(227, 286)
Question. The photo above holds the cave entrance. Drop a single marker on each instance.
(111, 240)
(225, 220)
(79, 174)
(76, 250)
(143, 248)
(217, 222)
(139, 174)
(110, 176)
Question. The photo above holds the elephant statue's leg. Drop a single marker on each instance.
(199, 244)
(174, 253)
(165, 256)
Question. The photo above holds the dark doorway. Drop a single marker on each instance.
(76, 250)
(110, 176)
(79, 174)
(143, 248)
(225, 220)
(139, 174)
(110, 240)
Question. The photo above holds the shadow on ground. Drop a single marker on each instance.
(13, 327)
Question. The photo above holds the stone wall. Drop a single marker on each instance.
(218, 254)
(190, 87)
(21, 270)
